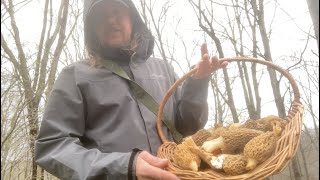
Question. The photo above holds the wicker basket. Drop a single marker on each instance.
(286, 147)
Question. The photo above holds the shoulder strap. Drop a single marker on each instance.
(142, 96)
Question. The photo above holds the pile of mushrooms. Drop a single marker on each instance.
(234, 150)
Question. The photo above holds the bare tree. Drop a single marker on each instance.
(52, 39)
(240, 30)
(155, 16)
(156, 22)
(12, 107)
(258, 9)
(310, 90)
(206, 25)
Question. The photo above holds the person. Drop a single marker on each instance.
(93, 126)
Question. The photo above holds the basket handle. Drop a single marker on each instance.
(235, 59)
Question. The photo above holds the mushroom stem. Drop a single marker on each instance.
(193, 166)
(213, 145)
(251, 164)
(217, 162)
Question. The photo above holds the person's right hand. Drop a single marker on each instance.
(149, 167)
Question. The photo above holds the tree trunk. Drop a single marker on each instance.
(230, 100)
(246, 90)
(296, 168)
(305, 164)
(218, 103)
(259, 16)
(251, 107)
(42, 174)
(313, 6)
(255, 82)
(211, 33)
(245, 81)
(33, 131)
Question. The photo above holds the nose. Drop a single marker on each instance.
(111, 19)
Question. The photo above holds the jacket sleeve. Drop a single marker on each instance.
(192, 106)
(59, 149)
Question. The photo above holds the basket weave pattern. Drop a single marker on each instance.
(286, 146)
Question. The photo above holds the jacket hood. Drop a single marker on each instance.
(146, 43)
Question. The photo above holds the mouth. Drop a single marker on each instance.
(114, 30)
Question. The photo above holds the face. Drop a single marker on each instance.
(112, 24)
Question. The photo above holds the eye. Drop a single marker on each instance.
(116, 12)
(120, 11)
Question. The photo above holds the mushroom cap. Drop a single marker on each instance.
(234, 164)
(255, 124)
(186, 159)
(236, 139)
(272, 119)
(261, 147)
(216, 132)
(264, 124)
(201, 136)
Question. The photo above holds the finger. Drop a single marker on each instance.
(204, 49)
(214, 58)
(224, 64)
(158, 174)
(205, 58)
(153, 160)
(214, 62)
(218, 65)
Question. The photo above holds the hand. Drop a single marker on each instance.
(149, 167)
(206, 66)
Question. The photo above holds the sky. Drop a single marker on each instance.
(285, 39)
(284, 31)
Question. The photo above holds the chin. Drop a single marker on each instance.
(118, 45)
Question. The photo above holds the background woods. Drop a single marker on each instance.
(38, 38)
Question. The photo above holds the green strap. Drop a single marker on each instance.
(142, 96)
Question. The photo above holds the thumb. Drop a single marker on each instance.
(153, 160)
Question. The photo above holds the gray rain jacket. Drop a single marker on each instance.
(92, 122)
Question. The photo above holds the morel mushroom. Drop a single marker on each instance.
(204, 156)
(231, 141)
(264, 124)
(201, 136)
(186, 159)
(271, 119)
(234, 126)
(255, 124)
(230, 164)
(216, 131)
(261, 147)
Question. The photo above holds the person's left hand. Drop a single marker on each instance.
(206, 65)
(149, 167)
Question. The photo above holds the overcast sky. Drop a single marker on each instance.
(287, 35)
